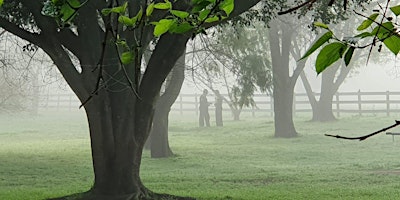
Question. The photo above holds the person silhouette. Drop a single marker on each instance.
(204, 116)
(218, 108)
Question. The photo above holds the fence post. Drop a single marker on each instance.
(387, 104)
(337, 105)
(359, 102)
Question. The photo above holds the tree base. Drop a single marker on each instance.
(90, 196)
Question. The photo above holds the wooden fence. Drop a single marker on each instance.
(343, 102)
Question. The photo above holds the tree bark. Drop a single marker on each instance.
(159, 144)
(280, 44)
(331, 80)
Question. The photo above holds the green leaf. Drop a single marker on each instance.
(393, 44)
(366, 23)
(348, 55)
(395, 10)
(227, 6)
(180, 14)
(212, 19)
(67, 13)
(119, 9)
(328, 55)
(199, 6)
(127, 57)
(1, 2)
(68, 10)
(162, 26)
(384, 30)
(163, 6)
(181, 28)
(364, 35)
(139, 15)
(131, 21)
(324, 38)
(127, 21)
(203, 14)
(123, 44)
(106, 11)
(149, 9)
(321, 25)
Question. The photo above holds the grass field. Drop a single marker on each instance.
(49, 155)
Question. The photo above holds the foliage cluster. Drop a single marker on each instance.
(378, 29)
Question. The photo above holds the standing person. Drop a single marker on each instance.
(218, 108)
(204, 115)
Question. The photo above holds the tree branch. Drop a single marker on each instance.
(361, 138)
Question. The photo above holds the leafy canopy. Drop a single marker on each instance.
(175, 21)
(378, 29)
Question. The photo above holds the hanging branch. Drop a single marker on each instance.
(310, 3)
(361, 138)
(99, 65)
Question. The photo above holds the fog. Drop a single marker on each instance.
(369, 77)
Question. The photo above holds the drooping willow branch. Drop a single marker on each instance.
(361, 138)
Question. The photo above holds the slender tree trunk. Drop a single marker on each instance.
(280, 44)
(158, 139)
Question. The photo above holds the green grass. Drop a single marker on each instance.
(49, 156)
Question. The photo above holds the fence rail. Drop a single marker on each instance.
(343, 102)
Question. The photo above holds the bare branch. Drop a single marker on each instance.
(309, 3)
(361, 138)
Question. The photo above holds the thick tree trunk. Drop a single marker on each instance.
(158, 139)
(283, 113)
(280, 44)
(116, 147)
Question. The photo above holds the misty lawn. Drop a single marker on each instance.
(49, 156)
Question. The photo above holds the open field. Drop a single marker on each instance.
(49, 156)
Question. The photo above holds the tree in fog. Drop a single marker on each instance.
(282, 34)
(119, 101)
(158, 139)
(233, 58)
(333, 77)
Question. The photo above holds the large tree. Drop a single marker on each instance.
(119, 101)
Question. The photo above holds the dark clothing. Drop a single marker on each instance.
(218, 110)
(204, 115)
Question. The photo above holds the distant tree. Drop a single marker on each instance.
(158, 139)
(282, 34)
(233, 58)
